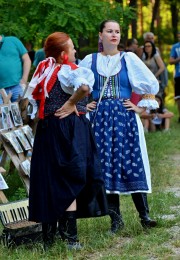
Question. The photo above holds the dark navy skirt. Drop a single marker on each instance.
(65, 167)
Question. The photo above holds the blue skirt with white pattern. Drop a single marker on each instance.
(117, 138)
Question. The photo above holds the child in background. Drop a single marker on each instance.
(158, 119)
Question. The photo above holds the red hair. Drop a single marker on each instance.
(55, 44)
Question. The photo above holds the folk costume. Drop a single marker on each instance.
(64, 164)
(119, 133)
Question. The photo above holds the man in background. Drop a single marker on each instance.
(131, 45)
(147, 36)
(175, 59)
(15, 66)
(39, 56)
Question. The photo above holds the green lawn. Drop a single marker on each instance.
(162, 242)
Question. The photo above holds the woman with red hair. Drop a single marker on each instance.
(65, 179)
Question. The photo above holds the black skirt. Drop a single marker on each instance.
(64, 167)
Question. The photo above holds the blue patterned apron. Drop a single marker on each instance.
(116, 133)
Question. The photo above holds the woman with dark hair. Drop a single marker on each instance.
(153, 61)
(117, 126)
(149, 53)
(65, 178)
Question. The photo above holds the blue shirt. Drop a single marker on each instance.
(39, 56)
(175, 53)
(11, 64)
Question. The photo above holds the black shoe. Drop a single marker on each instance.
(47, 245)
(68, 230)
(148, 223)
(141, 204)
(114, 213)
(74, 245)
(117, 223)
(116, 226)
(48, 233)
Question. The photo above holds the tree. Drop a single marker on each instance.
(33, 20)
(154, 14)
(128, 15)
(175, 6)
(133, 3)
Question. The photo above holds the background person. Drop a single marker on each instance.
(31, 51)
(117, 126)
(154, 62)
(158, 119)
(65, 178)
(175, 59)
(147, 36)
(39, 56)
(132, 45)
(15, 66)
(121, 46)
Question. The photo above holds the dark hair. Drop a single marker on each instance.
(121, 46)
(55, 44)
(103, 24)
(153, 49)
(130, 42)
(161, 106)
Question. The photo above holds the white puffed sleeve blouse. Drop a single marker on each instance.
(142, 80)
(71, 80)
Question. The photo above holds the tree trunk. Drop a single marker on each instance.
(154, 14)
(141, 19)
(174, 19)
(133, 3)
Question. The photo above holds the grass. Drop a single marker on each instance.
(133, 242)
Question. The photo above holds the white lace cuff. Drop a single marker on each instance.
(148, 101)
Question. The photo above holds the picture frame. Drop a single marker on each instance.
(22, 139)
(25, 165)
(29, 134)
(11, 137)
(1, 125)
(16, 115)
(6, 117)
(3, 184)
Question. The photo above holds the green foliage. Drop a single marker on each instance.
(16, 189)
(33, 20)
(19, 194)
(145, 2)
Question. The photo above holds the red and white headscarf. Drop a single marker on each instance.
(44, 79)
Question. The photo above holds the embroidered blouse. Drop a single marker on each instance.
(64, 78)
(141, 79)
